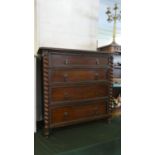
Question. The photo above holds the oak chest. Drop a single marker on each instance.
(77, 86)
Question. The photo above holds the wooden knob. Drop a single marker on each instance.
(96, 76)
(66, 62)
(66, 96)
(65, 77)
(65, 113)
(96, 110)
(97, 61)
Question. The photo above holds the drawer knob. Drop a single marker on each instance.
(66, 96)
(66, 62)
(97, 61)
(65, 77)
(65, 113)
(96, 76)
(96, 112)
(96, 108)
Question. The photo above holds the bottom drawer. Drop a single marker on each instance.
(77, 112)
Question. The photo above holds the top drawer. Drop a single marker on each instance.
(61, 60)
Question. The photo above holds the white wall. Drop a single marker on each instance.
(64, 24)
(67, 24)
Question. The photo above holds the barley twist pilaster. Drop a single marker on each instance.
(110, 83)
(46, 94)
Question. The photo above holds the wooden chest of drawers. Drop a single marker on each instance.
(77, 86)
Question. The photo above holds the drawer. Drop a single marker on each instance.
(79, 92)
(77, 112)
(57, 60)
(77, 75)
(89, 110)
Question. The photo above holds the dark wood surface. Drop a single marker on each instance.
(75, 75)
(76, 112)
(78, 92)
(77, 86)
(57, 60)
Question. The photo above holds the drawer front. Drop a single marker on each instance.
(79, 92)
(57, 60)
(89, 110)
(77, 75)
(69, 113)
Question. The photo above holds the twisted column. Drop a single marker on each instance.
(110, 83)
(46, 93)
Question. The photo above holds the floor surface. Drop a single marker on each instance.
(93, 138)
